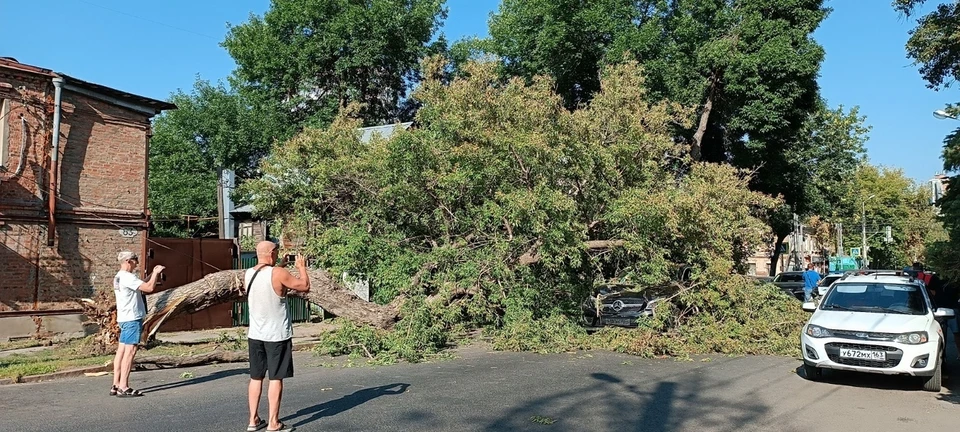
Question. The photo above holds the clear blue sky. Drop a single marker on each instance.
(153, 48)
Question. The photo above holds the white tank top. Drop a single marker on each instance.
(269, 318)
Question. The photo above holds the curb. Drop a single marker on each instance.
(302, 346)
(55, 375)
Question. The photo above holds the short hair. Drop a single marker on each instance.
(126, 256)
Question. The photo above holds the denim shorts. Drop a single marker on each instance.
(130, 332)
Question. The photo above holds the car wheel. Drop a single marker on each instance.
(812, 373)
(933, 382)
(590, 321)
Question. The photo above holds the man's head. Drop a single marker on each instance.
(267, 252)
(128, 260)
(917, 266)
(810, 266)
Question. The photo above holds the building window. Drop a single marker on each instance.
(4, 132)
(245, 229)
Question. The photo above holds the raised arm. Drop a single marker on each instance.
(150, 285)
(301, 284)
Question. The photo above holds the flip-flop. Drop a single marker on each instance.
(261, 423)
(130, 392)
(283, 428)
(114, 390)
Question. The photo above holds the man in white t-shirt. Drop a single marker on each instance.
(131, 309)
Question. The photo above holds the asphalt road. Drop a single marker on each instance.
(481, 390)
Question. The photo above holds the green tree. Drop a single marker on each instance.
(749, 67)
(824, 164)
(933, 47)
(887, 197)
(502, 208)
(213, 128)
(317, 56)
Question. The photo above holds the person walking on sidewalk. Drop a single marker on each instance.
(131, 308)
(270, 336)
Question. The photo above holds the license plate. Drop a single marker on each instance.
(863, 354)
(620, 321)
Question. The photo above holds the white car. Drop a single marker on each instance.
(883, 324)
(825, 283)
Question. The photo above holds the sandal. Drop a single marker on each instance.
(261, 423)
(283, 428)
(114, 390)
(130, 392)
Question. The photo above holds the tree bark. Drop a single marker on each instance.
(195, 360)
(696, 148)
(532, 256)
(776, 254)
(227, 285)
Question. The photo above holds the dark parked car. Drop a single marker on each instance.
(791, 282)
(622, 305)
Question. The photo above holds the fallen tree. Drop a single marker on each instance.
(194, 360)
(226, 286)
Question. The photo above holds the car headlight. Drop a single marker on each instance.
(817, 331)
(914, 338)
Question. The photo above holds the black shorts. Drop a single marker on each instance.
(276, 357)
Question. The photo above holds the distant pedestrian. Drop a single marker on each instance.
(810, 280)
(131, 308)
(270, 336)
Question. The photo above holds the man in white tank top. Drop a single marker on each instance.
(270, 334)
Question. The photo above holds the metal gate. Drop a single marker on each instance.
(299, 308)
(189, 260)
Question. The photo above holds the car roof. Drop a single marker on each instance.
(885, 278)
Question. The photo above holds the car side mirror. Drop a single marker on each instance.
(809, 306)
(943, 313)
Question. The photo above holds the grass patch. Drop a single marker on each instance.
(18, 365)
(23, 343)
(76, 353)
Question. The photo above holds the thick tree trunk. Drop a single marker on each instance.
(776, 254)
(696, 148)
(225, 286)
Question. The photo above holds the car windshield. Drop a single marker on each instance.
(828, 280)
(789, 277)
(875, 297)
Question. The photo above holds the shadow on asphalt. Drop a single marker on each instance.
(198, 380)
(623, 406)
(951, 378)
(345, 403)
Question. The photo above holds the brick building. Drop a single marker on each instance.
(73, 185)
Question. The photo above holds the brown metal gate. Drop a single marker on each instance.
(189, 260)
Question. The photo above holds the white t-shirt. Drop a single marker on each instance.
(130, 305)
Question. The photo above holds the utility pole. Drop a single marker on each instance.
(863, 217)
(839, 239)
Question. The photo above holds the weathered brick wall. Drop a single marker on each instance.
(19, 248)
(83, 260)
(27, 98)
(102, 167)
(102, 151)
